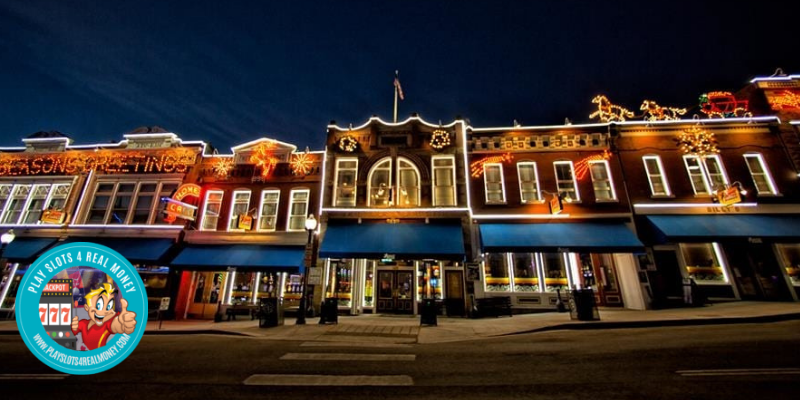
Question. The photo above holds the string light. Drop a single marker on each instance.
(655, 112)
(264, 157)
(697, 141)
(104, 161)
(302, 163)
(222, 167)
(608, 112)
(348, 143)
(723, 105)
(476, 168)
(582, 166)
(440, 139)
(785, 99)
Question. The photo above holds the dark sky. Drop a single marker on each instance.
(231, 71)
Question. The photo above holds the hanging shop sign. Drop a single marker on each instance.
(245, 222)
(52, 217)
(176, 208)
(555, 205)
(104, 161)
(729, 196)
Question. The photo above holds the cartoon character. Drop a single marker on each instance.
(102, 318)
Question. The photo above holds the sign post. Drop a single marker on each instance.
(164, 306)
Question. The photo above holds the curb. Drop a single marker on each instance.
(597, 325)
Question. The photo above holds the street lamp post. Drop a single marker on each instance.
(311, 225)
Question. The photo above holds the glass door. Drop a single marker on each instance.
(206, 293)
(395, 292)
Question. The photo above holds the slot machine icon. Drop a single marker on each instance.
(55, 312)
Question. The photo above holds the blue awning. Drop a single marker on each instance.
(286, 258)
(577, 236)
(135, 250)
(404, 241)
(26, 249)
(695, 227)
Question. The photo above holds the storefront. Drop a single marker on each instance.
(215, 278)
(742, 257)
(379, 267)
(535, 263)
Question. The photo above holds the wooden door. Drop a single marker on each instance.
(386, 284)
(454, 293)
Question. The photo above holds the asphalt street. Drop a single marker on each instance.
(743, 361)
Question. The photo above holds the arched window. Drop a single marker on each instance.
(379, 181)
(407, 183)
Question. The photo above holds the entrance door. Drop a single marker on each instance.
(768, 276)
(206, 294)
(454, 293)
(395, 292)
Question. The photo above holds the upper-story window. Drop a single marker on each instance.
(762, 179)
(706, 174)
(656, 176)
(408, 192)
(16, 204)
(565, 180)
(25, 203)
(601, 181)
(268, 210)
(127, 203)
(528, 182)
(444, 178)
(494, 183)
(298, 209)
(239, 208)
(344, 186)
(212, 206)
(379, 183)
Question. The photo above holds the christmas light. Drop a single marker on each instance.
(440, 139)
(222, 167)
(476, 168)
(348, 143)
(582, 166)
(785, 100)
(106, 161)
(723, 105)
(697, 142)
(263, 156)
(608, 112)
(302, 163)
(654, 112)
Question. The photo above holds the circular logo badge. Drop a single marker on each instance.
(81, 308)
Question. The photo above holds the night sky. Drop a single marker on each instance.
(232, 71)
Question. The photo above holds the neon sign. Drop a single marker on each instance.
(176, 208)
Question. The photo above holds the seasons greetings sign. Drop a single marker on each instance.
(105, 161)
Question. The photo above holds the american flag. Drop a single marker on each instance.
(397, 86)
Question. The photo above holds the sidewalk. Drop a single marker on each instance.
(378, 329)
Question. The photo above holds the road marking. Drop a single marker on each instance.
(356, 344)
(740, 372)
(329, 380)
(348, 357)
(33, 376)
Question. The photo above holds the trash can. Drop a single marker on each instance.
(329, 312)
(270, 312)
(584, 304)
(427, 312)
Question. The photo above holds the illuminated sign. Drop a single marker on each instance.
(245, 222)
(178, 209)
(185, 190)
(105, 161)
(52, 217)
(555, 205)
(729, 196)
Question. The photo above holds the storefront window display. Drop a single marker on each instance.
(293, 286)
(429, 285)
(790, 253)
(555, 271)
(496, 272)
(703, 263)
(369, 285)
(341, 281)
(267, 284)
(242, 287)
(526, 275)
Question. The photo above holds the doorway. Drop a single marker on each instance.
(395, 292)
(454, 293)
(205, 295)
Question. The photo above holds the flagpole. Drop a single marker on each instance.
(395, 96)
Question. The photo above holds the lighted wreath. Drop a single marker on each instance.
(348, 143)
(440, 139)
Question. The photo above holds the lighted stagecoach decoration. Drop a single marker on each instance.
(608, 112)
(655, 112)
(476, 168)
(723, 105)
(440, 139)
(347, 143)
(223, 167)
(264, 158)
(302, 163)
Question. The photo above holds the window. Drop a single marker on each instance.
(35, 206)
(494, 184)
(704, 263)
(24, 204)
(211, 209)
(526, 275)
(380, 184)
(167, 190)
(407, 184)
(705, 177)
(58, 196)
(268, 211)
(495, 270)
(528, 182)
(126, 203)
(760, 174)
(5, 193)
(16, 204)
(444, 177)
(565, 180)
(121, 204)
(144, 203)
(298, 210)
(102, 197)
(239, 207)
(602, 183)
(655, 174)
(344, 189)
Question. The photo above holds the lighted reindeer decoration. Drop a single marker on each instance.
(608, 112)
(655, 112)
